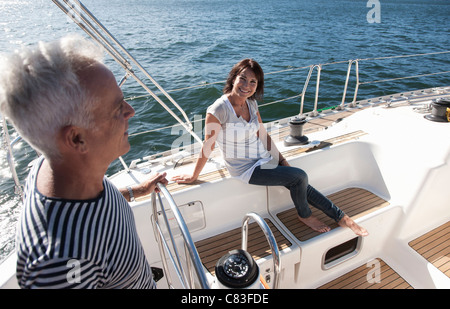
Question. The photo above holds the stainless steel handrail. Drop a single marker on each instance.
(270, 239)
(305, 86)
(190, 250)
(350, 62)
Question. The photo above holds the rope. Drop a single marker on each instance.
(406, 56)
(399, 78)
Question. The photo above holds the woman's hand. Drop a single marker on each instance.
(184, 179)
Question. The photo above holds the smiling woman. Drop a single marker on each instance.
(234, 122)
(249, 153)
(244, 87)
(257, 76)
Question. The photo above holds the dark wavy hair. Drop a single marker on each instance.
(238, 68)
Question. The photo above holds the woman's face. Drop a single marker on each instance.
(245, 84)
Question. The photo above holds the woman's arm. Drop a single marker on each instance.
(269, 144)
(212, 129)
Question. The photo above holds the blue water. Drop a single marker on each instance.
(194, 42)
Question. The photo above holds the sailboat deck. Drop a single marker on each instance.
(223, 172)
(434, 246)
(213, 248)
(373, 275)
(355, 202)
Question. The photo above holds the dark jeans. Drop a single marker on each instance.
(296, 180)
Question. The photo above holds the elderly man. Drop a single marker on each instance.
(77, 230)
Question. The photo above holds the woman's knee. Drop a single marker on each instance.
(300, 175)
(296, 179)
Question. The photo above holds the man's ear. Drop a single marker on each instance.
(73, 138)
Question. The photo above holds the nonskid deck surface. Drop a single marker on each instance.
(376, 274)
(355, 202)
(434, 246)
(213, 248)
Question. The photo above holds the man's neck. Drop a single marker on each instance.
(69, 181)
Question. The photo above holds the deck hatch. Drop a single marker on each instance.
(341, 252)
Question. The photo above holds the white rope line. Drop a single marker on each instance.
(282, 100)
(399, 78)
(405, 56)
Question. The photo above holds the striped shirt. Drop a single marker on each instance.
(79, 243)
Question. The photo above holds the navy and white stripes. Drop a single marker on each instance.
(79, 244)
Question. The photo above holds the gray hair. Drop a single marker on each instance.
(40, 91)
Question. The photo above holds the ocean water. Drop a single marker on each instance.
(194, 43)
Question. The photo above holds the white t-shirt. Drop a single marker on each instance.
(238, 141)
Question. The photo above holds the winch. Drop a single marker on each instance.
(296, 136)
(440, 111)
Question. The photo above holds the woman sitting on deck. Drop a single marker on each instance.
(251, 156)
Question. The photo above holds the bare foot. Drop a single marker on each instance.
(315, 224)
(346, 221)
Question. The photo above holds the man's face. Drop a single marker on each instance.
(109, 138)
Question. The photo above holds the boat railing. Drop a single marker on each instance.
(8, 145)
(350, 63)
(186, 275)
(316, 98)
(270, 239)
(318, 68)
